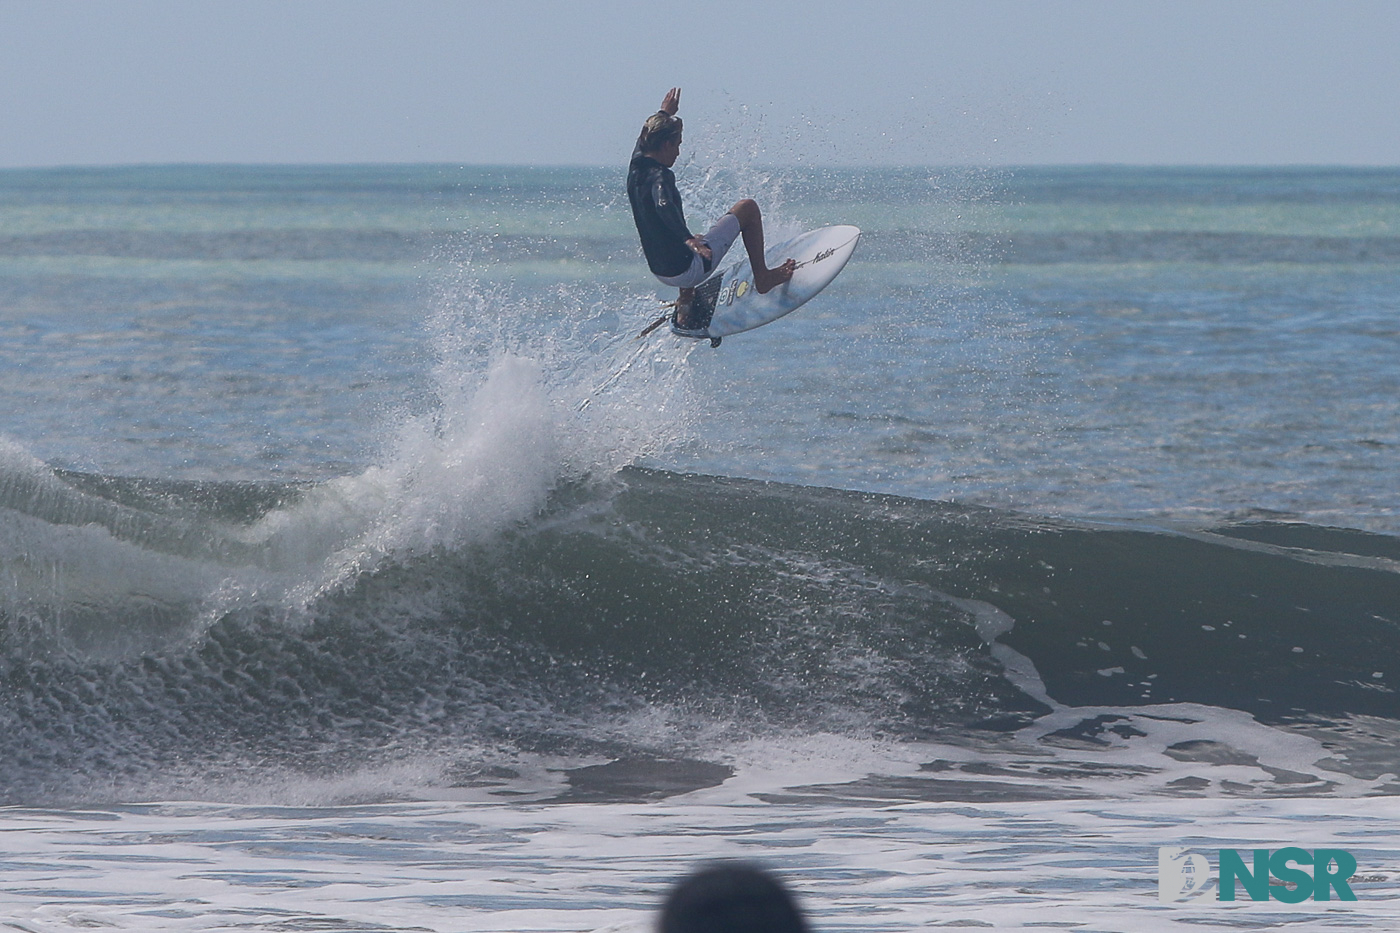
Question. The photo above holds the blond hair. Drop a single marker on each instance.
(660, 128)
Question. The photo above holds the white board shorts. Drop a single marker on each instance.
(719, 238)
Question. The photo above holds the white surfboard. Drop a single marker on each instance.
(727, 303)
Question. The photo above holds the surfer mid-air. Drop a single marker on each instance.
(675, 256)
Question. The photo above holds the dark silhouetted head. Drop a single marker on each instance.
(730, 897)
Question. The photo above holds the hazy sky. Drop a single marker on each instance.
(856, 82)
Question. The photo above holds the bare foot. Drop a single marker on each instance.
(770, 279)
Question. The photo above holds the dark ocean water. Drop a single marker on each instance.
(741, 608)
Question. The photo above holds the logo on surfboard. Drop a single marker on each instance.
(735, 290)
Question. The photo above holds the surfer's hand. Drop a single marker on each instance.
(672, 101)
(700, 247)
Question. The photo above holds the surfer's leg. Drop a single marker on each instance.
(686, 282)
(683, 303)
(751, 227)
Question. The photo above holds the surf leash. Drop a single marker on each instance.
(654, 325)
(671, 306)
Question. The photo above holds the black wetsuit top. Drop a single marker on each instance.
(656, 207)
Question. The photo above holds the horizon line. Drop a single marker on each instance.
(1009, 166)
